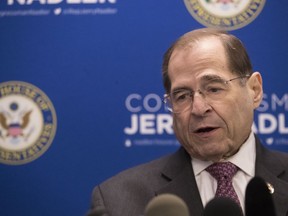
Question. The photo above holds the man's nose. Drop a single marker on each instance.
(200, 106)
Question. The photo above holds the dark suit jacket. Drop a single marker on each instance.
(128, 193)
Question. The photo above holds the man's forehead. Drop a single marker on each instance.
(205, 51)
(198, 63)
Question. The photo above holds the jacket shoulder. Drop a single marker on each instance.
(136, 186)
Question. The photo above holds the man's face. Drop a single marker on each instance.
(212, 129)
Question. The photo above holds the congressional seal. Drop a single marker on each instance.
(224, 14)
(27, 122)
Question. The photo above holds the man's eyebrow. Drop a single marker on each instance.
(211, 77)
(181, 89)
(206, 78)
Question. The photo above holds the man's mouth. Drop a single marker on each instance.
(205, 130)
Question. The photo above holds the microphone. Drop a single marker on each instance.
(258, 200)
(166, 205)
(222, 206)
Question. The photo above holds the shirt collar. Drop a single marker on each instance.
(244, 158)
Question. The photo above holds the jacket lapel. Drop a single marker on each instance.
(181, 181)
(272, 170)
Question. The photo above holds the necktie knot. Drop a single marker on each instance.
(222, 171)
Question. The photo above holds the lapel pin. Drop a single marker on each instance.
(270, 188)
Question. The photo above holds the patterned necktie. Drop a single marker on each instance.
(223, 172)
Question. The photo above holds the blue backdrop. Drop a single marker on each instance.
(99, 63)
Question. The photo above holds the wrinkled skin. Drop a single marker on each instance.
(212, 130)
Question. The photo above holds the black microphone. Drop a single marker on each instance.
(258, 199)
(222, 206)
(166, 205)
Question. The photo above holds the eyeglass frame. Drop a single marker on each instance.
(166, 96)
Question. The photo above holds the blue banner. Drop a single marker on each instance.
(81, 89)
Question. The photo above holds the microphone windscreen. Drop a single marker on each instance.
(166, 205)
(222, 206)
(258, 200)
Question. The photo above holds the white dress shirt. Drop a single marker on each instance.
(244, 159)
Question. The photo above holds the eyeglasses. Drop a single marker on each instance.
(212, 88)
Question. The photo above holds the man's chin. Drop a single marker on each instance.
(213, 154)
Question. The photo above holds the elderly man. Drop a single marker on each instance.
(212, 92)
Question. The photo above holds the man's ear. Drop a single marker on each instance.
(256, 88)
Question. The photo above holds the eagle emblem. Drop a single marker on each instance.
(14, 129)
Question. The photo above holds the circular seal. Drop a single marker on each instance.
(224, 14)
(27, 122)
